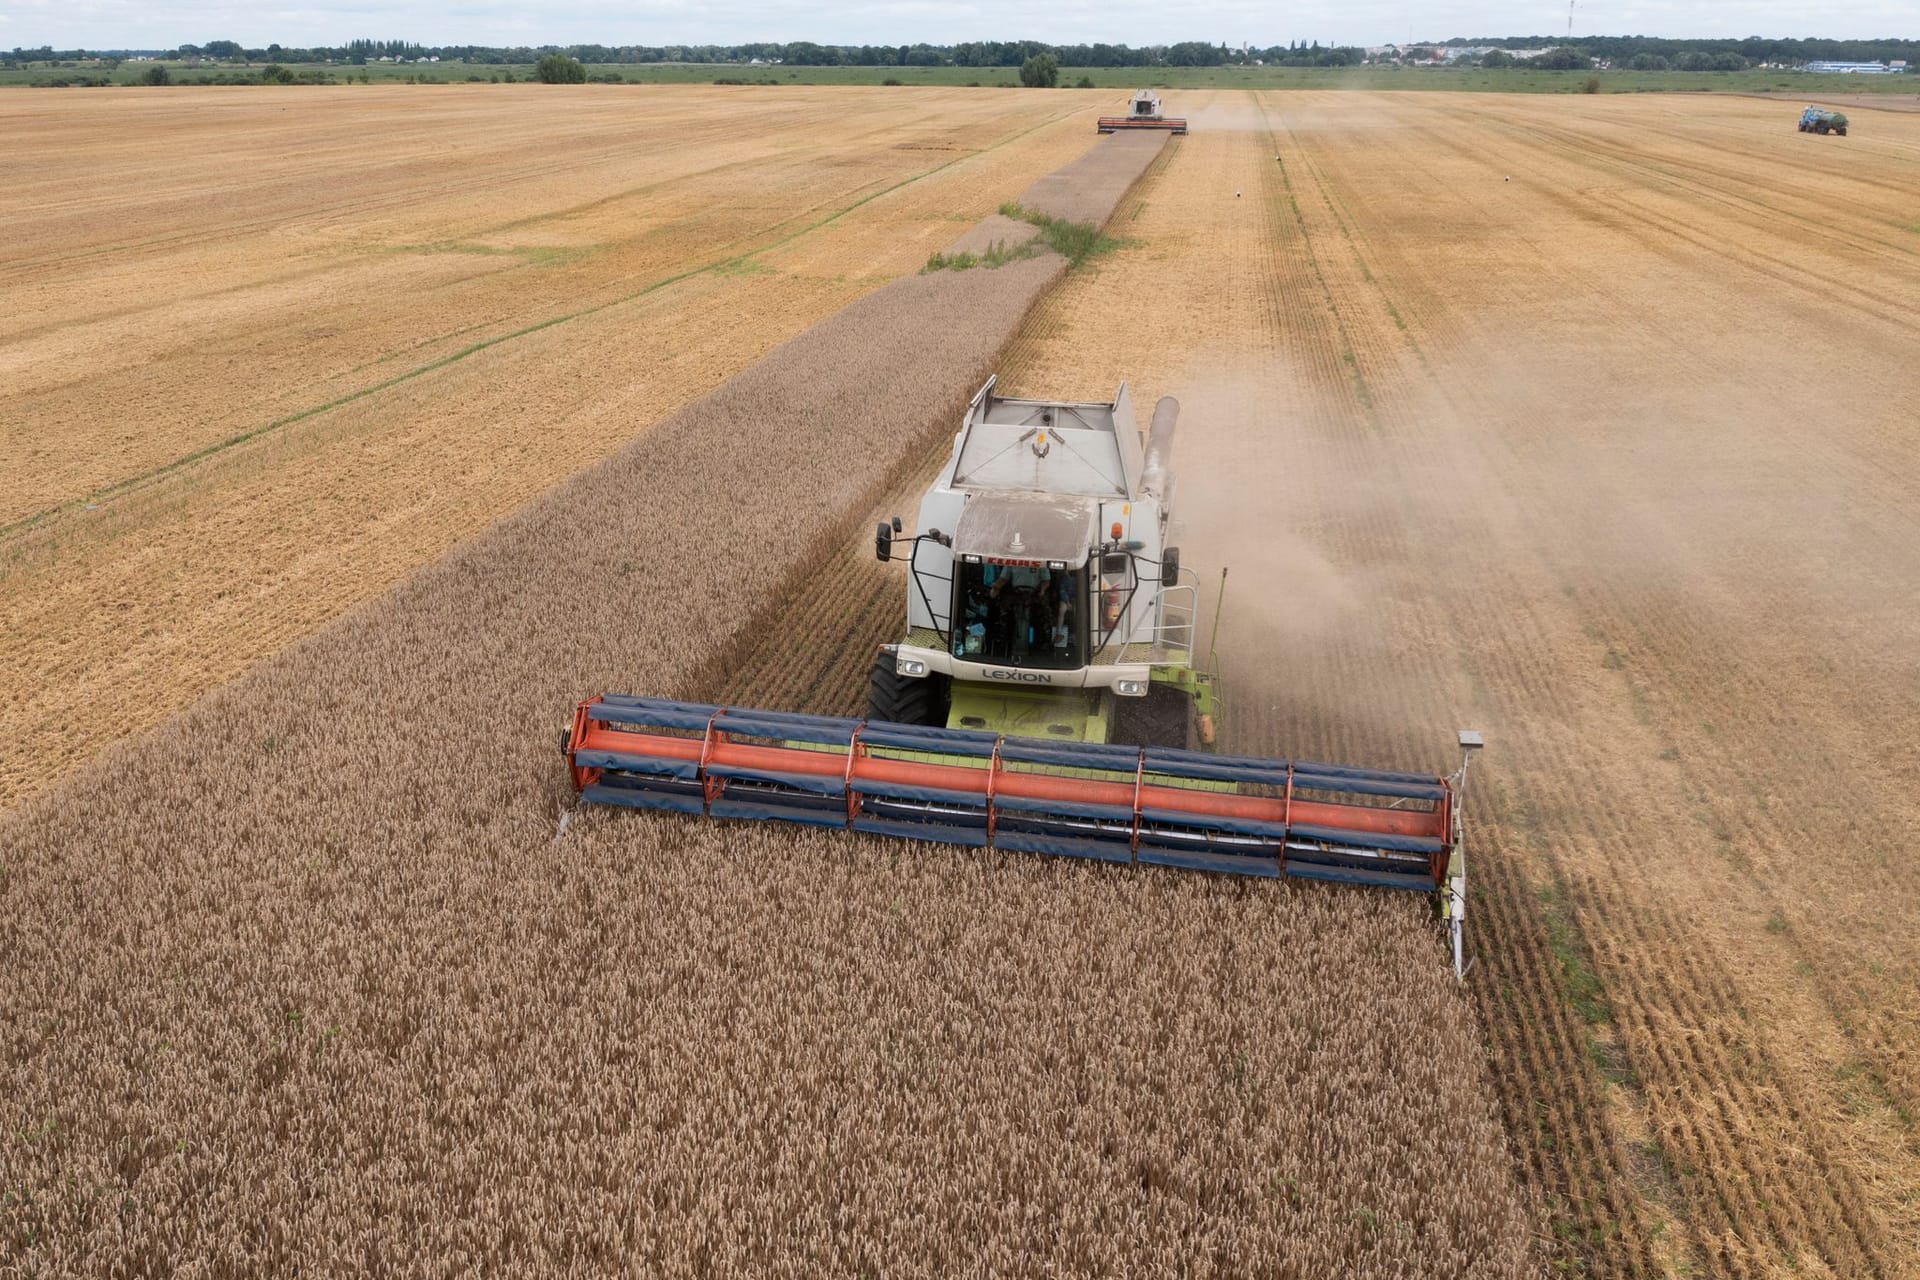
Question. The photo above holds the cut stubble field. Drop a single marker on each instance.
(301, 344)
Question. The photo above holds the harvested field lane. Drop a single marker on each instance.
(288, 356)
(1588, 423)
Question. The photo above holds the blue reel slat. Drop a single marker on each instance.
(1263, 866)
(1368, 786)
(1198, 766)
(781, 809)
(812, 783)
(652, 712)
(1369, 839)
(625, 763)
(636, 798)
(1358, 876)
(1360, 774)
(1071, 755)
(1065, 808)
(819, 730)
(1235, 826)
(909, 737)
(1060, 846)
(928, 795)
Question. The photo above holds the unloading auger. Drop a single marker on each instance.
(1045, 697)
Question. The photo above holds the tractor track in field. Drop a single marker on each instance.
(1713, 1150)
(1572, 1042)
(1806, 205)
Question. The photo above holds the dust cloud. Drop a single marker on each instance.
(1325, 536)
(1217, 114)
(1351, 528)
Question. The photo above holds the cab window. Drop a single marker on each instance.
(1020, 613)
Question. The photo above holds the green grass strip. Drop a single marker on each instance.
(1074, 241)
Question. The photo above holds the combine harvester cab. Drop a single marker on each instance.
(1045, 696)
(1143, 112)
(1043, 599)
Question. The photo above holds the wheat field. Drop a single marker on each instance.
(1583, 422)
(314, 977)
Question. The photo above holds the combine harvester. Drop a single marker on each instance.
(1143, 112)
(1045, 696)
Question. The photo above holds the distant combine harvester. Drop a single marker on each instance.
(1143, 112)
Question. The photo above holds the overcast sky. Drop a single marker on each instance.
(164, 24)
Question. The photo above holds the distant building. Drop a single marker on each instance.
(1852, 68)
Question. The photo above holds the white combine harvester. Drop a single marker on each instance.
(1143, 112)
(1045, 695)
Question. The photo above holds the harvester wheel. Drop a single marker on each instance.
(1164, 718)
(905, 699)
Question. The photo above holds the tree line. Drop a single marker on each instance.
(805, 53)
(1648, 53)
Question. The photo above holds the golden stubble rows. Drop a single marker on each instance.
(1585, 423)
(394, 256)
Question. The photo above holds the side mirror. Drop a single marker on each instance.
(1170, 567)
(883, 543)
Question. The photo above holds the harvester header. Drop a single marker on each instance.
(1140, 806)
(1143, 112)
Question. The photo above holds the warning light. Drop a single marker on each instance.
(1115, 532)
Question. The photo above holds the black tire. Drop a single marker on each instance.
(1820, 128)
(905, 699)
(1842, 131)
(1164, 718)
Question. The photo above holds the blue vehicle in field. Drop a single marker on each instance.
(1821, 120)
